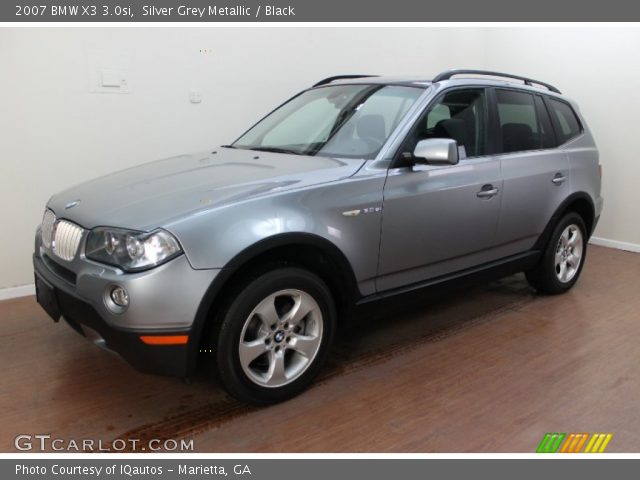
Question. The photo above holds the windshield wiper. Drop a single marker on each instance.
(276, 150)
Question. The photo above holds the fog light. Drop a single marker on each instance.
(120, 296)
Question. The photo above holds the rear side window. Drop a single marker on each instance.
(522, 125)
(565, 120)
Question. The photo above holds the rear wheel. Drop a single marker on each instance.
(563, 257)
(275, 336)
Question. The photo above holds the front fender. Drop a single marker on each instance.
(217, 238)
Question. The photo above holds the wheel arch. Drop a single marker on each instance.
(579, 202)
(305, 250)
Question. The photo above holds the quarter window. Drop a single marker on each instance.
(565, 120)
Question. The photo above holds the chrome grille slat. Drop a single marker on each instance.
(61, 242)
(67, 238)
(48, 220)
(72, 236)
(77, 238)
(68, 241)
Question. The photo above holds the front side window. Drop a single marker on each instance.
(344, 121)
(459, 115)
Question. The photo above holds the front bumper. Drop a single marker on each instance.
(163, 302)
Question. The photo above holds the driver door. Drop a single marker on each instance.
(438, 220)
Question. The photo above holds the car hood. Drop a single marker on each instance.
(156, 194)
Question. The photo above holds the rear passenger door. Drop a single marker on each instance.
(535, 172)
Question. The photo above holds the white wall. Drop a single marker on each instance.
(55, 133)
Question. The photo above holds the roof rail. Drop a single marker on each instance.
(341, 77)
(527, 81)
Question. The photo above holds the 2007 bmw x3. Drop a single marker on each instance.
(356, 189)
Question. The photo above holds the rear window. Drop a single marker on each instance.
(565, 120)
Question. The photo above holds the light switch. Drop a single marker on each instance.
(112, 78)
(109, 71)
(195, 95)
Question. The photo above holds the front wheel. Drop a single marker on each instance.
(275, 336)
(563, 257)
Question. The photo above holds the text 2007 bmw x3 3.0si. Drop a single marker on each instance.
(355, 189)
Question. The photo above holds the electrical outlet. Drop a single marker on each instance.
(195, 95)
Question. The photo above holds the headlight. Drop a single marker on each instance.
(132, 251)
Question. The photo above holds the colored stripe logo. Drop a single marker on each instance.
(574, 443)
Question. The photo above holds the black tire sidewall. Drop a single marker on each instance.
(550, 277)
(228, 361)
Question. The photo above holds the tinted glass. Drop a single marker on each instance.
(351, 121)
(519, 126)
(460, 115)
(565, 120)
(547, 136)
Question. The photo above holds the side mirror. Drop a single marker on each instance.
(436, 151)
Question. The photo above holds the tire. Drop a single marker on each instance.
(275, 336)
(563, 257)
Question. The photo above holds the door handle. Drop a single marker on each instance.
(559, 179)
(487, 191)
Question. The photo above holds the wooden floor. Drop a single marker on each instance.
(489, 369)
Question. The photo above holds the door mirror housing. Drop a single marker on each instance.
(436, 151)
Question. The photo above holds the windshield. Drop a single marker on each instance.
(348, 121)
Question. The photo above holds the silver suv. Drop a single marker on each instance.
(361, 187)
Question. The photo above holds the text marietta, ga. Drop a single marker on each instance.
(128, 470)
(216, 11)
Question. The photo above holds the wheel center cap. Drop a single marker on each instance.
(279, 336)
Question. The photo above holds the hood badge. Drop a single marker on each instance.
(71, 204)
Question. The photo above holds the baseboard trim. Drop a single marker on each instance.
(15, 292)
(606, 242)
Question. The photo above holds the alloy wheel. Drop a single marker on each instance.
(280, 338)
(569, 253)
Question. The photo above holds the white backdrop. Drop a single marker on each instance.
(600, 68)
(55, 133)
